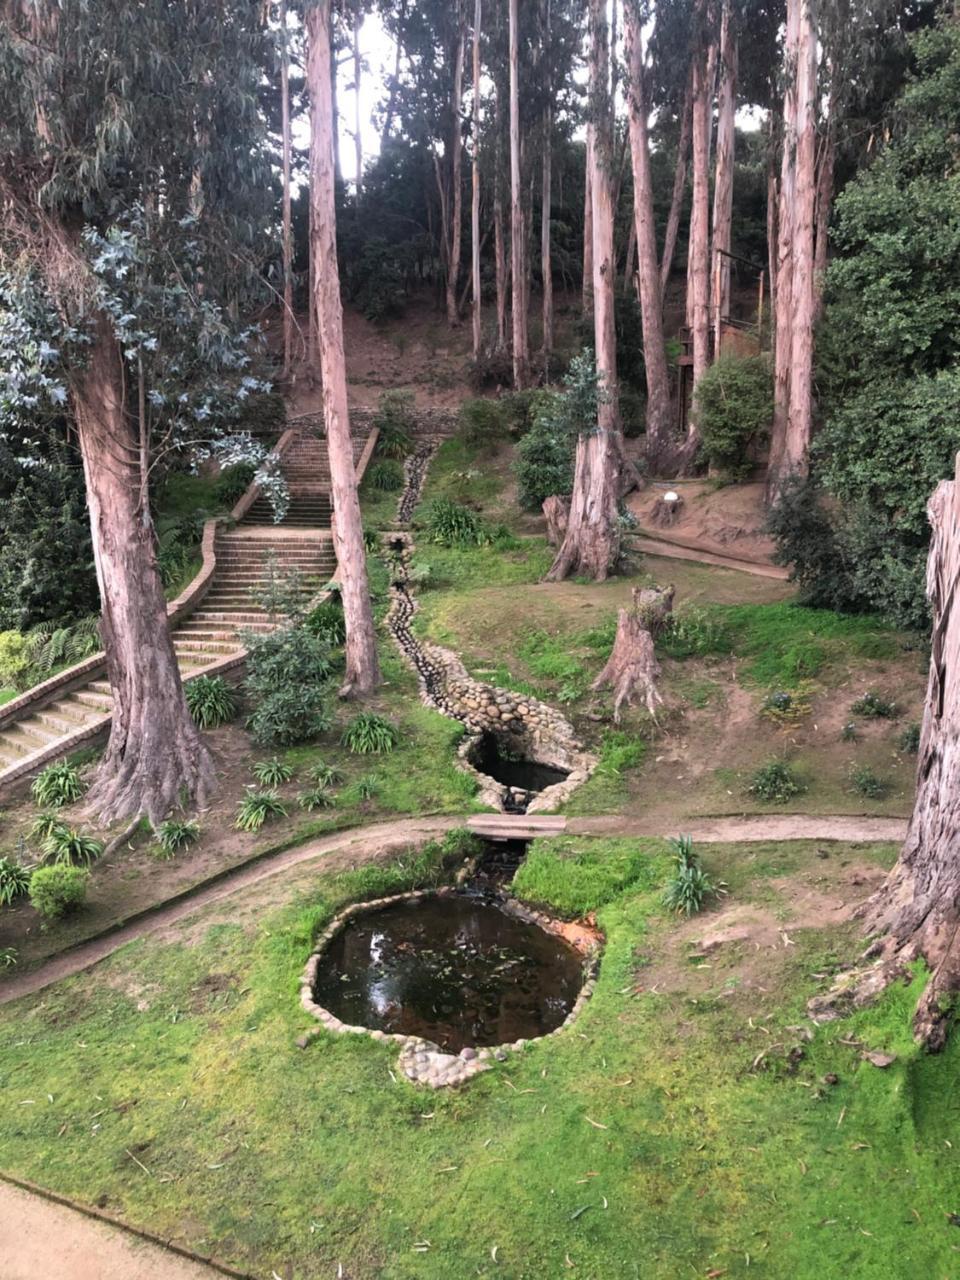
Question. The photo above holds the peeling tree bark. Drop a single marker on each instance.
(723, 180)
(288, 316)
(588, 223)
(679, 186)
(632, 666)
(700, 211)
(499, 234)
(518, 255)
(362, 666)
(455, 211)
(475, 194)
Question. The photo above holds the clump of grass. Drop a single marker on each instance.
(689, 886)
(849, 732)
(776, 783)
(366, 787)
(909, 740)
(273, 772)
(326, 775)
(258, 807)
(46, 824)
(211, 701)
(694, 632)
(785, 707)
(58, 784)
(318, 797)
(175, 834)
(14, 881)
(874, 706)
(71, 847)
(369, 734)
(868, 784)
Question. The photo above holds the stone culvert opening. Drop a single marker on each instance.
(516, 764)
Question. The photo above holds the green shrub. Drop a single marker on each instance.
(849, 732)
(874, 706)
(545, 455)
(733, 405)
(776, 783)
(233, 482)
(866, 783)
(51, 646)
(689, 886)
(326, 621)
(16, 665)
(492, 368)
(14, 881)
(288, 683)
(46, 824)
(290, 715)
(366, 787)
(71, 847)
(211, 701)
(395, 419)
(451, 525)
(385, 476)
(58, 784)
(909, 739)
(520, 408)
(256, 808)
(483, 423)
(326, 775)
(692, 632)
(175, 834)
(272, 773)
(8, 957)
(56, 891)
(318, 797)
(370, 734)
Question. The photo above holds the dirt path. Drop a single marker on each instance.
(655, 544)
(43, 1240)
(756, 827)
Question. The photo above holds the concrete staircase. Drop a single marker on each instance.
(212, 634)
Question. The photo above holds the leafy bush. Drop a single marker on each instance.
(175, 834)
(866, 783)
(56, 891)
(370, 734)
(272, 773)
(45, 824)
(326, 621)
(545, 455)
(318, 797)
(776, 783)
(288, 683)
(178, 546)
(451, 525)
(58, 784)
(71, 847)
(233, 482)
(16, 665)
(211, 701)
(909, 739)
(385, 476)
(734, 410)
(692, 632)
(813, 539)
(874, 706)
(483, 423)
(492, 368)
(256, 808)
(326, 775)
(51, 647)
(689, 886)
(395, 420)
(14, 881)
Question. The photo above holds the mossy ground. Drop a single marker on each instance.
(670, 1132)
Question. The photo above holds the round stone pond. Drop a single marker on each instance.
(457, 969)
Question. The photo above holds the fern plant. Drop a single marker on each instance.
(256, 808)
(211, 701)
(14, 881)
(71, 847)
(370, 734)
(58, 784)
(175, 834)
(273, 772)
(50, 646)
(318, 797)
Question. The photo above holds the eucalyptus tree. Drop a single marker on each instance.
(134, 188)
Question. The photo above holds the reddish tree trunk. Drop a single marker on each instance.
(772, 220)
(699, 274)
(475, 194)
(499, 234)
(723, 179)
(518, 255)
(155, 753)
(288, 316)
(357, 73)
(588, 224)
(679, 186)
(455, 209)
(363, 672)
(546, 257)
(824, 202)
(648, 276)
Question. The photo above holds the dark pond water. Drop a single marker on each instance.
(501, 765)
(456, 970)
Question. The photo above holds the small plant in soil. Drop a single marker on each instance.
(326, 775)
(318, 797)
(258, 807)
(849, 732)
(175, 834)
(874, 706)
(909, 740)
(273, 772)
(56, 891)
(366, 787)
(211, 701)
(867, 784)
(776, 783)
(69, 846)
(690, 885)
(326, 621)
(57, 785)
(369, 734)
(385, 476)
(46, 824)
(14, 881)
(8, 957)
(451, 525)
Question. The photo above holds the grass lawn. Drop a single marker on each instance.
(682, 1127)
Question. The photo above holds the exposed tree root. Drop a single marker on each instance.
(632, 666)
(556, 510)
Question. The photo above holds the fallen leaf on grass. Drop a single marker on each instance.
(577, 1212)
(596, 1123)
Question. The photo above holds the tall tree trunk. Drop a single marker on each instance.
(783, 313)
(395, 82)
(518, 258)
(357, 74)
(155, 753)
(475, 194)
(456, 185)
(588, 224)
(773, 223)
(679, 185)
(591, 544)
(288, 316)
(546, 256)
(499, 233)
(723, 179)
(654, 346)
(825, 177)
(699, 273)
(630, 257)
(363, 672)
(916, 912)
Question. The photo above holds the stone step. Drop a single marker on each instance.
(63, 719)
(200, 649)
(98, 701)
(31, 736)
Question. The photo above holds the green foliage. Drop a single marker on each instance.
(233, 482)
(451, 525)
(258, 807)
(370, 734)
(396, 423)
(909, 739)
(58, 784)
(776, 783)
(16, 666)
(575, 877)
(874, 706)
(71, 847)
(56, 891)
(692, 632)
(868, 784)
(8, 957)
(689, 885)
(545, 454)
(288, 684)
(849, 732)
(175, 834)
(52, 647)
(385, 476)
(45, 825)
(326, 621)
(14, 881)
(326, 775)
(318, 797)
(211, 701)
(734, 411)
(483, 423)
(366, 787)
(273, 772)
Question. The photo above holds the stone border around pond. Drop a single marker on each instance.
(422, 1061)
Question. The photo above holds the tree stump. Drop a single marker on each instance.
(557, 511)
(632, 666)
(665, 512)
(916, 912)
